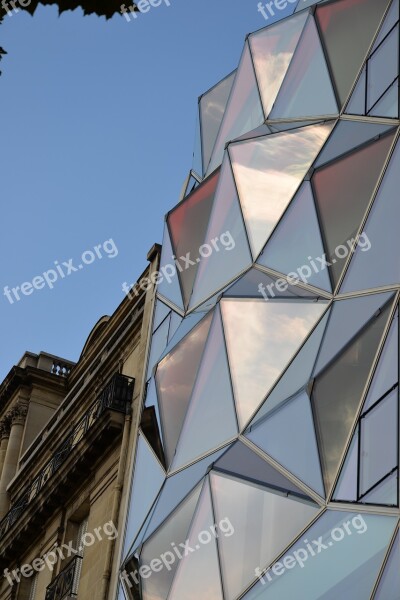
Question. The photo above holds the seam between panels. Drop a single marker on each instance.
(385, 561)
(368, 211)
(232, 387)
(219, 553)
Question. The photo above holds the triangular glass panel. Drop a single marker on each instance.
(188, 224)
(211, 419)
(387, 371)
(261, 338)
(198, 575)
(346, 487)
(176, 527)
(358, 101)
(381, 230)
(146, 484)
(272, 49)
(298, 373)
(345, 569)
(389, 584)
(226, 225)
(176, 488)
(159, 342)
(256, 283)
(307, 89)
(383, 68)
(186, 325)
(175, 377)
(161, 311)
(386, 493)
(347, 318)
(341, 23)
(299, 225)
(169, 286)
(212, 108)
(282, 126)
(151, 422)
(255, 133)
(346, 136)
(379, 442)
(197, 163)
(288, 436)
(266, 511)
(342, 206)
(243, 112)
(390, 21)
(388, 105)
(338, 391)
(241, 461)
(268, 172)
(176, 320)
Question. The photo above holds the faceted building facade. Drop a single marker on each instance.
(267, 459)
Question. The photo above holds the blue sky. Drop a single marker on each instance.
(98, 122)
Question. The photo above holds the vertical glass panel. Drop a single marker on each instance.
(389, 585)
(158, 343)
(379, 442)
(347, 318)
(261, 339)
(198, 576)
(175, 378)
(147, 481)
(242, 462)
(337, 394)
(345, 567)
(387, 371)
(348, 28)
(244, 111)
(177, 487)
(346, 136)
(169, 286)
(298, 374)
(299, 225)
(390, 21)
(151, 421)
(343, 191)
(272, 50)
(160, 313)
(226, 223)
(307, 89)
(384, 493)
(211, 418)
(388, 106)
(264, 523)
(288, 436)
(176, 320)
(382, 231)
(357, 102)
(187, 324)
(346, 488)
(268, 172)
(173, 531)
(188, 225)
(212, 108)
(383, 67)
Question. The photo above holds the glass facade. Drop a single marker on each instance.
(268, 451)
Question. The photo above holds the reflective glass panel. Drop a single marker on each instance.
(307, 89)
(261, 339)
(158, 343)
(346, 488)
(383, 67)
(391, 19)
(256, 283)
(389, 585)
(151, 421)
(357, 102)
(272, 50)
(384, 493)
(169, 286)
(268, 172)
(388, 106)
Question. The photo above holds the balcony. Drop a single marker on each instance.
(65, 585)
(70, 463)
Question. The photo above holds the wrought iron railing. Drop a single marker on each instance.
(115, 396)
(65, 585)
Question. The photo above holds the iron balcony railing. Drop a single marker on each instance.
(115, 396)
(65, 585)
